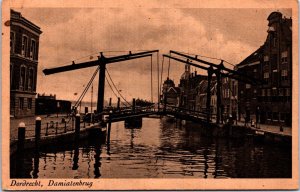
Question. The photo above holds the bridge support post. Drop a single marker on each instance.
(101, 86)
(165, 103)
(219, 91)
(133, 105)
(109, 104)
(118, 104)
(208, 93)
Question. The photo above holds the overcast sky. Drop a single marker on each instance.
(71, 33)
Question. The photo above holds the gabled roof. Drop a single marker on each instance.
(173, 89)
(202, 87)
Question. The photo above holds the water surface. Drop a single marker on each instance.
(159, 149)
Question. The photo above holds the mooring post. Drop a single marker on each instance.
(37, 132)
(46, 134)
(21, 136)
(108, 129)
(118, 104)
(133, 105)
(77, 125)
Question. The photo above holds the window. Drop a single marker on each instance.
(284, 74)
(268, 92)
(33, 50)
(266, 58)
(280, 92)
(24, 45)
(284, 57)
(274, 41)
(274, 91)
(248, 86)
(12, 42)
(288, 92)
(11, 75)
(29, 103)
(30, 79)
(22, 77)
(21, 103)
(263, 92)
(266, 76)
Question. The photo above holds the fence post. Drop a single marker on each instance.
(65, 127)
(37, 132)
(21, 136)
(77, 125)
(47, 129)
(56, 126)
(108, 129)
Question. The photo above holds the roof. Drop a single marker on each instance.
(252, 58)
(202, 86)
(172, 89)
(16, 16)
(169, 81)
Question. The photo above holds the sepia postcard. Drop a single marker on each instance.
(150, 95)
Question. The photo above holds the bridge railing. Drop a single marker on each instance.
(198, 114)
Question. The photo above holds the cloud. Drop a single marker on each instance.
(69, 34)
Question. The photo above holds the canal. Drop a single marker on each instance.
(159, 149)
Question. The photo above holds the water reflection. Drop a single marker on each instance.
(160, 149)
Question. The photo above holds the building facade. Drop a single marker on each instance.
(270, 101)
(24, 46)
(170, 93)
(47, 104)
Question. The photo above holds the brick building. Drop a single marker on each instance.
(269, 102)
(24, 46)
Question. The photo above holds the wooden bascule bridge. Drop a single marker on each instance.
(134, 113)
